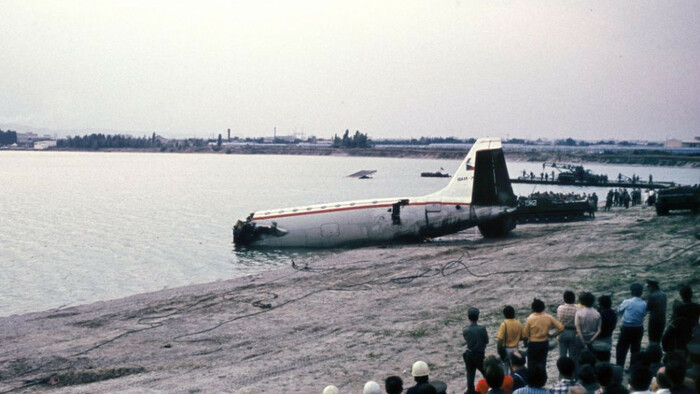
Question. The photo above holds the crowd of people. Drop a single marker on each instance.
(622, 198)
(563, 197)
(584, 334)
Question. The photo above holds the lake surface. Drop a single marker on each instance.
(79, 227)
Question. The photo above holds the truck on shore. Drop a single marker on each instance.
(678, 198)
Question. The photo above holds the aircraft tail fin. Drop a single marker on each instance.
(482, 177)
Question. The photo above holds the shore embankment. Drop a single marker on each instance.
(342, 317)
(626, 157)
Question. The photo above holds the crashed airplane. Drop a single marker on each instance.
(479, 194)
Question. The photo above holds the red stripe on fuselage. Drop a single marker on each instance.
(285, 215)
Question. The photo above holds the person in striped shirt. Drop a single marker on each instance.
(537, 378)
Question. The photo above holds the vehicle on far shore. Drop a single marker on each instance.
(677, 198)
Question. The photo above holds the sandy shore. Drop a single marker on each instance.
(341, 318)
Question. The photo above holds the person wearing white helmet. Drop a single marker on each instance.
(331, 390)
(420, 373)
(372, 387)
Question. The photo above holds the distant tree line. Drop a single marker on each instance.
(359, 140)
(573, 142)
(102, 141)
(427, 141)
(8, 137)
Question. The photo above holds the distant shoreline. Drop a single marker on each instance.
(634, 157)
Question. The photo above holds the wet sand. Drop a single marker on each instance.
(342, 318)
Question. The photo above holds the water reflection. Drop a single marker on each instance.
(265, 258)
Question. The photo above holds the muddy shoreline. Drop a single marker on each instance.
(632, 157)
(343, 317)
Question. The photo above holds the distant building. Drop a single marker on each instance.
(279, 138)
(26, 138)
(45, 144)
(162, 140)
(676, 143)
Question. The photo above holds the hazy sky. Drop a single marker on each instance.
(582, 69)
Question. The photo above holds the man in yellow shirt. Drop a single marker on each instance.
(509, 335)
(536, 330)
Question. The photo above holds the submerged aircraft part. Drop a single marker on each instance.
(248, 232)
(479, 194)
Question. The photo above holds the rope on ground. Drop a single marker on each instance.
(446, 269)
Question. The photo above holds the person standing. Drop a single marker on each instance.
(587, 322)
(608, 319)
(656, 307)
(476, 337)
(566, 314)
(683, 319)
(509, 334)
(633, 310)
(536, 330)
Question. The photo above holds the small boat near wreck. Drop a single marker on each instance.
(436, 174)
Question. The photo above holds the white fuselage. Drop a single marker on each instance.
(379, 220)
(365, 221)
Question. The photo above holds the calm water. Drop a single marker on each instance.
(79, 227)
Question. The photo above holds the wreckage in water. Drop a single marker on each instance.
(479, 194)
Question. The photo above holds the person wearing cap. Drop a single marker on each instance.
(372, 387)
(633, 310)
(421, 374)
(476, 337)
(330, 389)
(656, 308)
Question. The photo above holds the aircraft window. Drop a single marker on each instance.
(308, 209)
(281, 211)
(374, 202)
(323, 207)
(267, 213)
(352, 204)
(458, 207)
(337, 205)
(294, 210)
